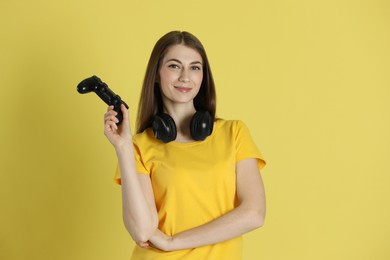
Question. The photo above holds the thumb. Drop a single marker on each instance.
(125, 112)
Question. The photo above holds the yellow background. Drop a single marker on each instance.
(309, 78)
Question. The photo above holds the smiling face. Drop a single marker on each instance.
(180, 74)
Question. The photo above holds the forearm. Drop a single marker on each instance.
(139, 217)
(231, 225)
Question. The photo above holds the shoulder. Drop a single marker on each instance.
(229, 125)
(145, 138)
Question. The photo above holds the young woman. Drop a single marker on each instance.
(191, 184)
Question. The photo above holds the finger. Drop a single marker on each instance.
(110, 126)
(111, 117)
(110, 108)
(125, 112)
(144, 244)
(110, 112)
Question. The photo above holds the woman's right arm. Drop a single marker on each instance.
(139, 210)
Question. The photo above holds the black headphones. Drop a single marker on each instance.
(201, 126)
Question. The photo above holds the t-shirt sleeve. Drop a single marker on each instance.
(245, 146)
(138, 162)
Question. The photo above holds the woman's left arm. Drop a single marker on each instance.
(247, 216)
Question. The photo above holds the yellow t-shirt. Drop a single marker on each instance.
(194, 183)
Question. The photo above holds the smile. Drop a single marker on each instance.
(183, 89)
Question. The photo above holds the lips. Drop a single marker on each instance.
(183, 89)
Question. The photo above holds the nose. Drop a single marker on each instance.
(184, 76)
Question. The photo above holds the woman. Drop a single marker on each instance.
(190, 188)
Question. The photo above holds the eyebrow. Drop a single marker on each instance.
(178, 61)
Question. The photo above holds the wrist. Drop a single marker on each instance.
(124, 148)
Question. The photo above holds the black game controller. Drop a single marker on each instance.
(104, 92)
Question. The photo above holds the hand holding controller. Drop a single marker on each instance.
(104, 92)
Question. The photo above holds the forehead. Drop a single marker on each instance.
(182, 53)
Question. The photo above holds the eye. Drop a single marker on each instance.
(196, 68)
(173, 66)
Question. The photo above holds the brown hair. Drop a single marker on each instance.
(151, 102)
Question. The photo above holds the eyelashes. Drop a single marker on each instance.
(173, 66)
(176, 66)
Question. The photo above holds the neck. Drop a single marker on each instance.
(182, 114)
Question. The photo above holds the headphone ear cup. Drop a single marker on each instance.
(164, 128)
(201, 125)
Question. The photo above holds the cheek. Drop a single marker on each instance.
(199, 80)
(163, 79)
(166, 75)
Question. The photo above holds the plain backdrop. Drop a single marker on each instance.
(309, 78)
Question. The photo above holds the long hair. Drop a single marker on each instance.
(151, 101)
